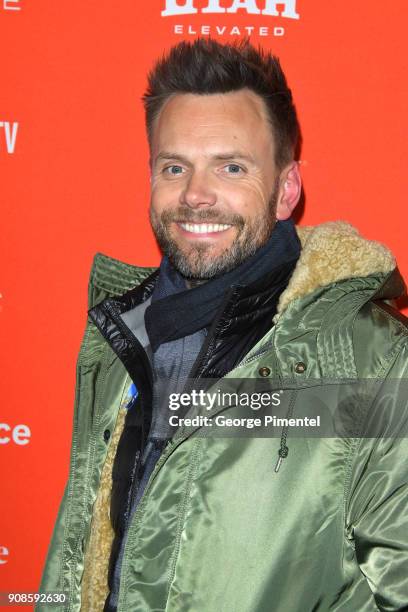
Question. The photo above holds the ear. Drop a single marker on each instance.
(290, 190)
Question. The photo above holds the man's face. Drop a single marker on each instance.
(214, 181)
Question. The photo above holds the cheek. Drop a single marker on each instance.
(163, 195)
(250, 194)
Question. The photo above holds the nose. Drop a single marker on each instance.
(198, 192)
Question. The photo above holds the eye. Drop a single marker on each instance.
(173, 170)
(233, 169)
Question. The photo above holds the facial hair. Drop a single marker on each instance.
(195, 262)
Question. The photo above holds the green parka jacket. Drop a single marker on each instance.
(217, 529)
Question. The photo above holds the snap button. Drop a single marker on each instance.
(106, 435)
(264, 371)
(300, 367)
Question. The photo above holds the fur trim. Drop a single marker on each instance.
(96, 564)
(332, 252)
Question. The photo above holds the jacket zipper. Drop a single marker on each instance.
(139, 350)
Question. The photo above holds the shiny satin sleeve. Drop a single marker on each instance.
(377, 500)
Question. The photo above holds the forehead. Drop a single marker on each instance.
(235, 118)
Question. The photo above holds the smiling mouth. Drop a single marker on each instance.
(204, 228)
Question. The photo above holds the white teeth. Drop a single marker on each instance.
(204, 228)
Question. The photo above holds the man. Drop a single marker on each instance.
(155, 518)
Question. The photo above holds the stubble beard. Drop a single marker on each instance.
(195, 262)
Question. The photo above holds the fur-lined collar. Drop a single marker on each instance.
(332, 252)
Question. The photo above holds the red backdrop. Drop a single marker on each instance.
(74, 180)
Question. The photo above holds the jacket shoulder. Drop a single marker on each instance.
(380, 331)
(110, 277)
(393, 314)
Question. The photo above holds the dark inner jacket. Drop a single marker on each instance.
(242, 314)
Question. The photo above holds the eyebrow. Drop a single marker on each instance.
(165, 155)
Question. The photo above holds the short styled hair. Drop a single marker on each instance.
(206, 66)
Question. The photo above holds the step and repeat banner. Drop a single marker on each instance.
(75, 181)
